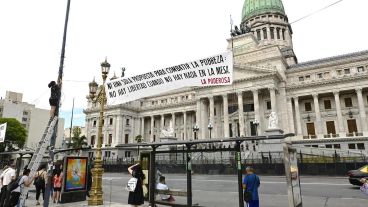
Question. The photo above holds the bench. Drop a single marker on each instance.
(173, 192)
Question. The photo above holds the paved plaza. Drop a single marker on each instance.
(220, 190)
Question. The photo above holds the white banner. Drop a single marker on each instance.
(2, 132)
(214, 70)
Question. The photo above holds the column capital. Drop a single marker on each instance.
(224, 95)
(296, 98)
(336, 92)
(358, 90)
(239, 93)
(315, 95)
(272, 88)
(210, 97)
(288, 98)
(255, 90)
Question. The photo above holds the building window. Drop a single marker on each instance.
(259, 34)
(348, 102)
(347, 71)
(360, 69)
(326, 74)
(126, 139)
(248, 107)
(264, 33)
(94, 123)
(351, 146)
(110, 139)
(25, 113)
(127, 121)
(283, 34)
(111, 120)
(127, 153)
(272, 31)
(327, 104)
(278, 33)
(337, 146)
(93, 140)
(361, 146)
(24, 125)
(232, 109)
(339, 72)
(24, 119)
(214, 111)
(301, 78)
(308, 106)
(319, 75)
(107, 153)
(328, 145)
(268, 105)
(307, 77)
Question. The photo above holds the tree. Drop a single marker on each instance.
(78, 141)
(15, 136)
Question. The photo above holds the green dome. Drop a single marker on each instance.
(256, 7)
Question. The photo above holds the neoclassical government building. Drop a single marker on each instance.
(324, 102)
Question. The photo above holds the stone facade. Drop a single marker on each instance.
(324, 102)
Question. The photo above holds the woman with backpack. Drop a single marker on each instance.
(58, 179)
(24, 181)
(40, 183)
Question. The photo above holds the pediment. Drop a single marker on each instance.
(245, 71)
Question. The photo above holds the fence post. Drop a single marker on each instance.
(240, 173)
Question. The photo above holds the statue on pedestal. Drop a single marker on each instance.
(273, 121)
(169, 132)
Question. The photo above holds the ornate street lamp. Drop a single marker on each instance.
(195, 130)
(97, 171)
(210, 128)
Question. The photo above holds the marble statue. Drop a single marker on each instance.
(168, 132)
(273, 121)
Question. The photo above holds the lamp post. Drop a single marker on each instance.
(97, 171)
(195, 130)
(210, 128)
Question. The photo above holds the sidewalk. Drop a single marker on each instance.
(76, 204)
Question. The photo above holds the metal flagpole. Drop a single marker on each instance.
(53, 138)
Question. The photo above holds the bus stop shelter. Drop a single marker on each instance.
(191, 147)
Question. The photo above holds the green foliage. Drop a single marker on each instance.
(15, 136)
(77, 140)
(138, 138)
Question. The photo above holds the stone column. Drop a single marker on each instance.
(142, 127)
(256, 109)
(152, 126)
(162, 127)
(241, 113)
(173, 121)
(297, 117)
(273, 99)
(226, 116)
(185, 125)
(290, 115)
(268, 33)
(203, 125)
(362, 114)
(318, 116)
(198, 118)
(212, 115)
(340, 122)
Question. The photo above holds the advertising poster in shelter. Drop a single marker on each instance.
(2, 132)
(76, 174)
(210, 71)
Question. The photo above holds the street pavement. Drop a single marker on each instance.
(221, 190)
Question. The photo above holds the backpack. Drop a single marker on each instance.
(39, 180)
(13, 184)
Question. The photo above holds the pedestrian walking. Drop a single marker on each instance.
(40, 183)
(251, 183)
(136, 197)
(6, 177)
(24, 181)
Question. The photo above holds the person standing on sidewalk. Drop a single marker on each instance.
(251, 184)
(136, 198)
(24, 181)
(6, 177)
(40, 183)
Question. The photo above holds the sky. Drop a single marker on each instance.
(143, 35)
